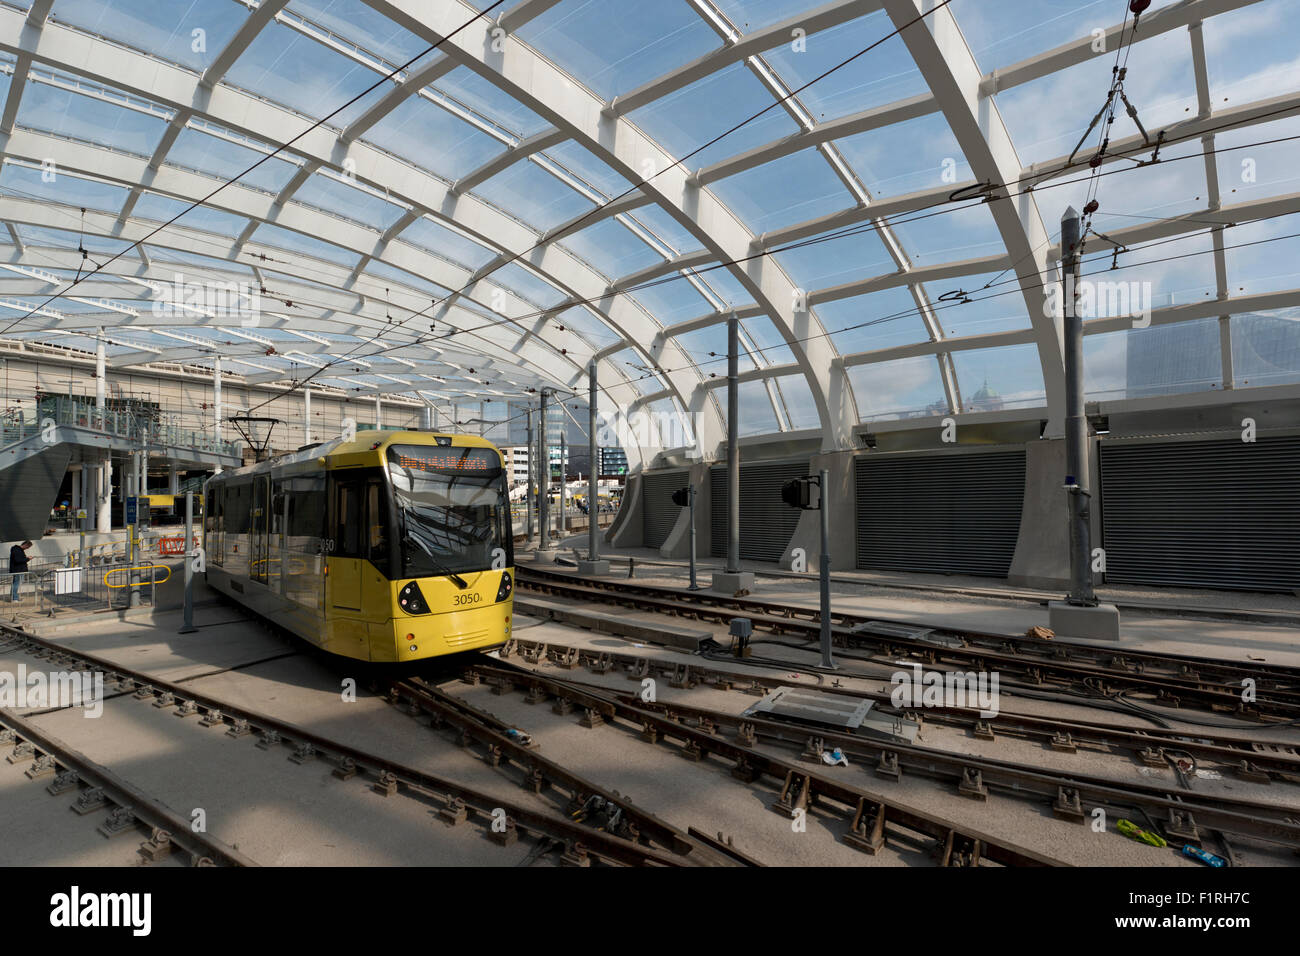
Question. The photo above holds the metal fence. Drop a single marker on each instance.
(154, 428)
(102, 586)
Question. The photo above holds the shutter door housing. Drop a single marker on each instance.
(941, 514)
(1210, 514)
(658, 513)
(766, 522)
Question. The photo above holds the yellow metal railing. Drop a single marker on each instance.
(135, 569)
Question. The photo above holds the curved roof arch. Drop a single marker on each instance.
(510, 207)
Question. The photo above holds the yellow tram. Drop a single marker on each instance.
(395, 546)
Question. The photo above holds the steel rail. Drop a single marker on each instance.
(121, 796)
(872, 813)
(581, 840)
(474, 724)
(1185, 810)
(1032, 660)
(1249, 761)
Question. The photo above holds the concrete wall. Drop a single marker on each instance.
(628, 529)
(678, 542)
(842, 502)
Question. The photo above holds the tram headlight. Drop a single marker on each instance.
(410, 600)
(507, 586)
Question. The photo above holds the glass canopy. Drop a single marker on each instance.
(607, 181)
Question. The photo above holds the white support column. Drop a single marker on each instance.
(306, 416)
(379, 413)
(216, 405)
(104, 520)
(100, 384)
(426, 417)
(75, 501)
(173, 479)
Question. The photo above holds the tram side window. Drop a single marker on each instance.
(306, 510)
(377, 525)
(348, 519)
(238, 508)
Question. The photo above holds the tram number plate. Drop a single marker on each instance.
(467, 598)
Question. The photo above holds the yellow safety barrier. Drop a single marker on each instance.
(141, 567)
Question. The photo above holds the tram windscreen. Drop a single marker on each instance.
(453, 508)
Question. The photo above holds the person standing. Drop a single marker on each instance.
(17, 567)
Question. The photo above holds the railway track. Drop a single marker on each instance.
(1163, 679)
(869, 815)
(1184, 814)
(583, 843)
(70, 774)
(1255, 761)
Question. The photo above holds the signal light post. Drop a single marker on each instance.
(797, 493)
(685, 497)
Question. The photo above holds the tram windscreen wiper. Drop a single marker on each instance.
(455, 578)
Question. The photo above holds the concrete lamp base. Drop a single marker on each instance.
(1100, 623)
(545, 557)
(725, 582)
(593, 567)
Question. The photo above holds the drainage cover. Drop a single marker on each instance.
(812, 707)
(906, 632)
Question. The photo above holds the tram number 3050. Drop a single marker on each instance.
(467, 598)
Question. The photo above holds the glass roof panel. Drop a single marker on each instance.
(783, 192)
(1047, 116)
(834, 258)
(723, 284)
(296, 71)
(273, 235)
(364, 27)
(882, 75)
(991, 380)
(757, 416)
(1250, 171)
(385, 271)
(707, 348)
(903, 388)
(683, 121)
(586, 324)
(581, 163)
(224, 159)
(491, 102)
(614, 46)
(865, 323)
(28, 183)
(1267, 257)
(1250, 53)
(96, 115)
(1152, 275)
(751, 15)
(906, 157)
(534, 196)
(800, 406)
(1266, 348)
(1000, 34)
(998, 308)
(1160, 360)
(526, 285)
(438, 239)
(191, 33)
(964, 232)
(162, 208)
(65, 239)
(673, 301)
(612, 248)
(162, 254)
(339, 198)
(770, 344)
(666, 229)
(433, 139)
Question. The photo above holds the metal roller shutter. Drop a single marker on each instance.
(766, 522)
(943, 514)
(1212, 514)
(658, 513)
